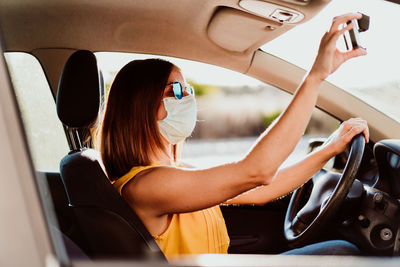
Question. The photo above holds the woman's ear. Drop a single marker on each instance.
(161, 112)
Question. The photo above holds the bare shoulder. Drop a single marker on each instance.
(146, 182)
(143, 191)
(142, 177)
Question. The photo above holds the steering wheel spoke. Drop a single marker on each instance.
(328, 192)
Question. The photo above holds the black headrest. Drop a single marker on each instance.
(78, 95)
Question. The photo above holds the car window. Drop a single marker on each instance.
(233, 110)
(44, 131)
(374, 78)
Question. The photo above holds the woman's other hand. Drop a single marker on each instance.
(340, 139)
(329, 58)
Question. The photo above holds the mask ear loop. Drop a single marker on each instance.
(175, 152)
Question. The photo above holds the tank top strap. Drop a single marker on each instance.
(122, 181)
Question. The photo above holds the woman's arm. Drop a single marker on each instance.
(289, 178)
(285, 181)
(165, 190)
(284, 135)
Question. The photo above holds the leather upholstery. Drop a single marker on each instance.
(106, 226)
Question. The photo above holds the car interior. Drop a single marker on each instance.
(94, 221)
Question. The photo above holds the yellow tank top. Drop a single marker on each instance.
(196, 232)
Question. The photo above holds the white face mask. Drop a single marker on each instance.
(180, 120)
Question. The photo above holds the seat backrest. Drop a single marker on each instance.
(109, 227)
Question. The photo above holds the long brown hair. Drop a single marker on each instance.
(129, 131)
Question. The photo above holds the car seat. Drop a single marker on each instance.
(108, 226)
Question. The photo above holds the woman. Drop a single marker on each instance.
(150, 110)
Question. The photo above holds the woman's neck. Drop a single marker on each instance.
(165, 158)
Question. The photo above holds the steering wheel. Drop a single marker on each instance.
(301, 226)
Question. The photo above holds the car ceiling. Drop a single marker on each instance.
(206, 30)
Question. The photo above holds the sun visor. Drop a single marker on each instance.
(239, 31)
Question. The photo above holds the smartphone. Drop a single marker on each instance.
(352, 37)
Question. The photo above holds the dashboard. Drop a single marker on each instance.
(387, 156)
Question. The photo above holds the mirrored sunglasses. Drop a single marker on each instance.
(179, 89)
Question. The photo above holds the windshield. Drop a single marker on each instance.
(374, 78)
